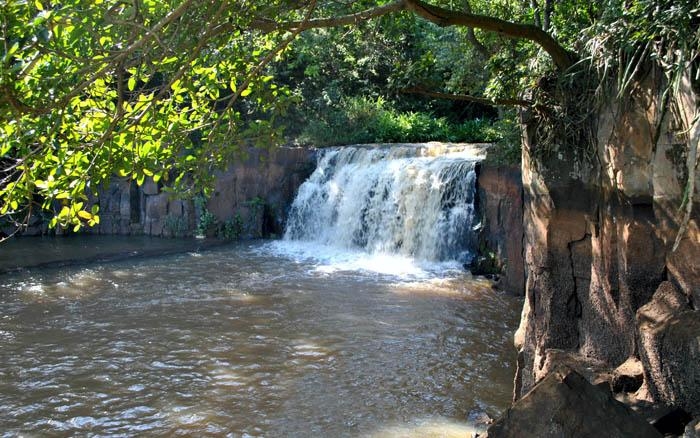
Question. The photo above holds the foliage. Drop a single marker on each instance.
(153, 88)
(231, 229)
(256, 203)
(366, 120)
(207, 225)
(172, 89)
(506, 136)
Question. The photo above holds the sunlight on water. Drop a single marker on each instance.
(445, 286)
(80, 285)
(435, 427)
(258, 339)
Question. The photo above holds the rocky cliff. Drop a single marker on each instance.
(605, 283)
(500, 207)
(256, 192)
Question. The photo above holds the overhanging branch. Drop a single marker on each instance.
(446, 17)
(440, 16)
(468, 98)
(343, 20)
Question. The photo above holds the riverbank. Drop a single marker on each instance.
(27, 252)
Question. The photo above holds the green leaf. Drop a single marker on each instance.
(131, 83)
(38, 5)
(84, 215)
(246, 92)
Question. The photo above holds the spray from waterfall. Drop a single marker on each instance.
(394, 200)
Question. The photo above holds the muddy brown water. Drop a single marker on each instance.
(250, 340)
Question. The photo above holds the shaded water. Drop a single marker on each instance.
(260, 339)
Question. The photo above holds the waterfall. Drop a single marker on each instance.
(401, 200)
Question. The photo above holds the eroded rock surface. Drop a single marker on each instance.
(604, 281)
(565, 404)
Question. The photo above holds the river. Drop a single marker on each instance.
(252, 339)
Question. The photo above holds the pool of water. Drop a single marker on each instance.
(253, 339)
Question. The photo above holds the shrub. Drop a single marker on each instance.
(373, 120)
(207, 225)
(231, 229)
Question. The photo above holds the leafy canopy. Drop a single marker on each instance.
(148, 88)
(172, 89)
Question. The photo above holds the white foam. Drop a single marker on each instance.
(327, 259)
(388, 201)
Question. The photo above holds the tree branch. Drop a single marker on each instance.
(445, 17)
(267, 25)
(562, 58)
(471, 37)
(468, 98)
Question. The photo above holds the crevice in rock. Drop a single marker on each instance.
(134, 204)
(573, 304)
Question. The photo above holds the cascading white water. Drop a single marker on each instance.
(391, 200)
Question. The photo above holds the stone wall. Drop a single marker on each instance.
(500, 206)
(257, 191)
(604, 282)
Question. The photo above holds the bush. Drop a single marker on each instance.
(359, 120)
(231, 229)
(207, 225)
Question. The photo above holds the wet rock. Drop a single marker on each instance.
(565, 404)
(591, 369)
(484, 266)
(479, 418)
(259, 187)
(156, 211)
(500, 207)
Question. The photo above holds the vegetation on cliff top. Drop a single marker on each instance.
(172, 89)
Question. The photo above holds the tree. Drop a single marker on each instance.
(171, 89)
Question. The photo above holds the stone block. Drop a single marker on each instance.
(565, 404)
(150, 187)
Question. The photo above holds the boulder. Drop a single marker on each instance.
(565, 404)
(628, 377)
(669, 347)
(692, 429)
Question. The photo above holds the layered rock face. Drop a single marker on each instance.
(604, 282)
(500, 206)
(257, 191)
